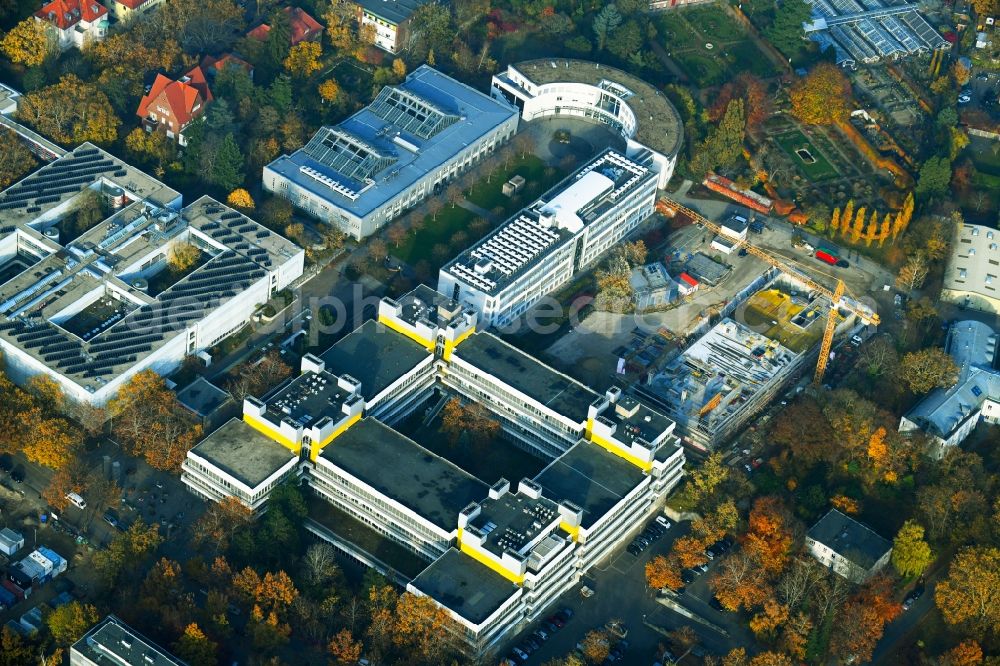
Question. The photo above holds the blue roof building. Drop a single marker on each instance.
(388, 157)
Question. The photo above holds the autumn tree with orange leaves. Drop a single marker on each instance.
(740, 582)
(770, 535)
(862, 620)
(970, 595)
(422, 625)
(966, 653)
(220, 522)
(344, 649)
(149, 422)
(662, 572)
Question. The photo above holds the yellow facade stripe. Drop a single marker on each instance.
(517, 579)
(413, 335)
(315, 450)
(611, 447)
(271, 432)
(573, 531)
(450, 346)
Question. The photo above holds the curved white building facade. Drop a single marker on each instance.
(642, 115)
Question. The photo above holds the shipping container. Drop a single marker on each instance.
(826, 258)
(7, 598)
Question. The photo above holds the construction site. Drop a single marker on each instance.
(720, 354)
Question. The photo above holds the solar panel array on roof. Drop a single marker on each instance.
(869, 31)
(410, 112)
(347, 154)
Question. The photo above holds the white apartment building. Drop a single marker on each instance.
(544, 245)
(848, 548)
(389, 21)
(92, 308)
(972, 277)
(388, 157)
(640, 113)
(612, 461)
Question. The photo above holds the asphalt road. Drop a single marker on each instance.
(903, 626)
(621, 593)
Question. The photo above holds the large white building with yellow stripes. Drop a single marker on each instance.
(497, 553)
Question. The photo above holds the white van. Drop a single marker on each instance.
(76, 500)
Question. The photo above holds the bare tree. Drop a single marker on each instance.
(454, 194)
(797, 584)
(913, 273)
(878, 357)
(320, 563)
(434, 207)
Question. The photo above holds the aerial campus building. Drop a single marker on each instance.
(972, 278)
(111, 641)
(640, 113)
(90, 307)
(735, 368)
(545, 244)
(388, 157)
(494, 553)
(870, 31)
(949, 415)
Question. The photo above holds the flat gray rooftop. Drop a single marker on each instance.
(202, 397)
(375, 355)
(426, 303)
(465, 586)
(111, 641)
(660, 126)
(590, 477)
(399, 468)
(307, 399)
(510, 521)
(528, 375)
(646, 423)
(243, 452)
(705, 268)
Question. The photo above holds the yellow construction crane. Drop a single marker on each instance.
(670, 207)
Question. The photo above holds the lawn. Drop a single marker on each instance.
(744, 56)
(418, 247)
(713, 22)
(817, 170)
(704, 68)
(490, 195)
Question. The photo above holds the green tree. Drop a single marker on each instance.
(279, 38)
(627, 40)
(934, 177)
(910, 553)
(195, 648)
(605, 23)
(69, 622)
(127, 551)
(227, 172)
(786, 33)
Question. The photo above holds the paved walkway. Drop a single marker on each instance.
(478, 210)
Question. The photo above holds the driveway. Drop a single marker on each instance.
(621, 593)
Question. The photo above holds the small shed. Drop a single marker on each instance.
(10, 541)
(686, 284)
(513, 186)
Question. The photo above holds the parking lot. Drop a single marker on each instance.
(620, 593)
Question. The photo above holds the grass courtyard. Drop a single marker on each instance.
(709, 45)
(806, 156)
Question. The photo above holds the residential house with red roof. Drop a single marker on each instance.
(212, 65)
(175, 104)
(304, 27)
(123, 9)
(74, 22)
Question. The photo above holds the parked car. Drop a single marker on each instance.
(529, 645)
(856, 340)
(17, 474)
(565, 614)
(689, 576)
(542, 634)
(716, 604)
(557, 620)
(650, 535)
(520, 654)
(843, 263)
(912, 597)
(111, 518)
(656, 528)
(664, 522)
(634, 550)
(703, 568)
(641, 540)
(76, 500)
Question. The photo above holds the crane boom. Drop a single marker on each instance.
(824, 348)
(669, 206)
